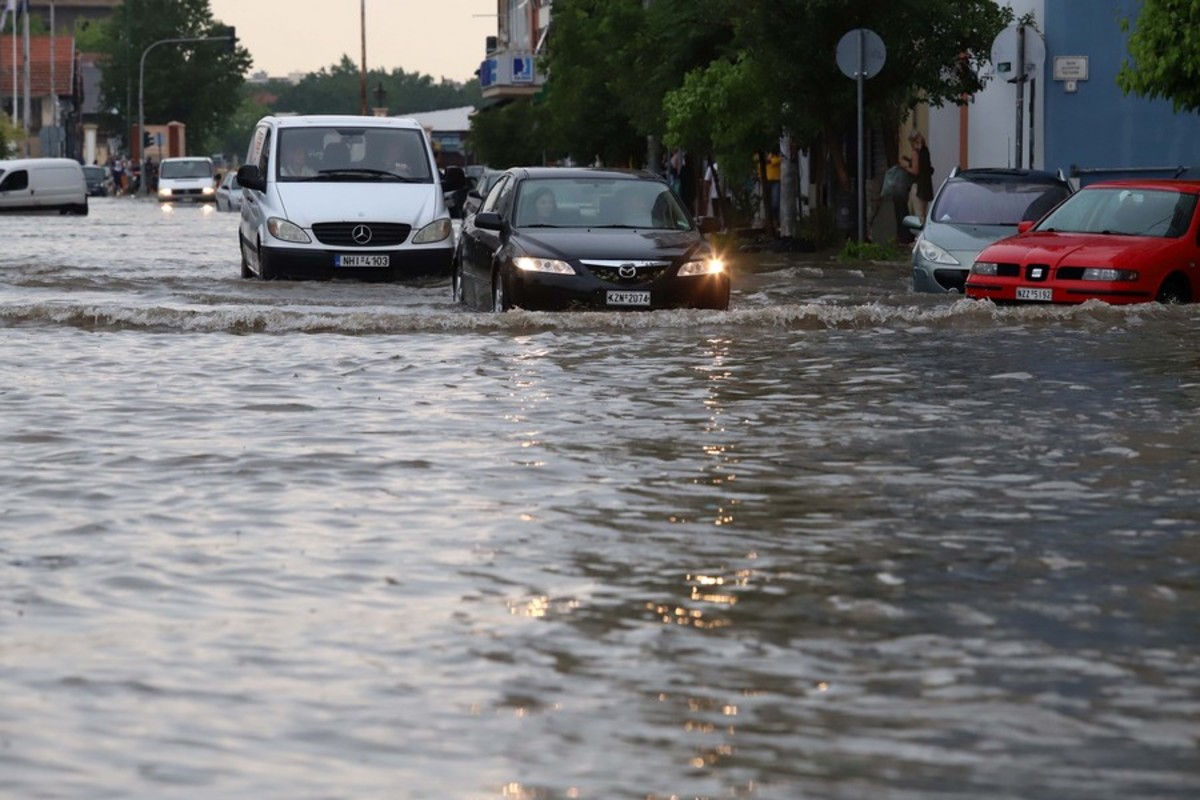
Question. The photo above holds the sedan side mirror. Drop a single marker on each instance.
(249, 177)
(912, 222)
(1024, 226)
(489, 221)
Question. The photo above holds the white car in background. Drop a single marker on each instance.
(186, 179)
(229, 193)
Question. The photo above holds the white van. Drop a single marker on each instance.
(328, 196)
(190, 179)
(42, 186)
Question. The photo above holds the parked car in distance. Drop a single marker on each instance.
(344, 197)
(1129, 241)
(43, 186)
(229, 193)
(187, 179)
(478, 191)
(559, 238)
(99, 180)
(972, 209)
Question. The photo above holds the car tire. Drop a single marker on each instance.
(500, 301)
(1174, 291)
(456, 282)
(247, 273)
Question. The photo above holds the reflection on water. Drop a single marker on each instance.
(347, 540)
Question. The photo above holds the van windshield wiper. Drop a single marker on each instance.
(366, 173)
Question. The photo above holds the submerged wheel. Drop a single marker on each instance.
(456, 283)
(499, 297)
(246, 271)
(266, 271)
(1174, 291)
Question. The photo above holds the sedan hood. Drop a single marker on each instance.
(963, 241)
(1075, 249)
(608, 243)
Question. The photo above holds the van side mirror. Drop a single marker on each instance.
(250, 177)
(453, 179)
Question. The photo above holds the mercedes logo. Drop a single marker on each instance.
(361, 234)
(627, 271)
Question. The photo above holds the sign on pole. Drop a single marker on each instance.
(861, 55)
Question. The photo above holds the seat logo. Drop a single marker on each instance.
(627, 271)
(361, 234)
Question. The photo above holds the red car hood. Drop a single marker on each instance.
(1075, 249)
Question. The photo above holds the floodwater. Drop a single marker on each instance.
(339, 540)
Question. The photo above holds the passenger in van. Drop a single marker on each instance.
(399, 158)
(295, 161)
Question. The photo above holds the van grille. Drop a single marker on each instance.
(341, 234)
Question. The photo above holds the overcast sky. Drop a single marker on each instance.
(441, 38)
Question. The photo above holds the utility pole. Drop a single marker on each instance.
(363, 14)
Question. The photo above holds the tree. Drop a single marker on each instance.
(1164, 53)
(191, 82)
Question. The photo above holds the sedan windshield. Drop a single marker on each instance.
(599, 203)
(354, 154)
(1125, 211)
(980, 202)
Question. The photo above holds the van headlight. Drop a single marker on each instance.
(286, 231)
(437, 231)
(208, 190)
(164, 192)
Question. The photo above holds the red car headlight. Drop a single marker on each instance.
(1109, 275)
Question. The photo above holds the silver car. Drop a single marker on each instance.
(229, 193)
(972, 209)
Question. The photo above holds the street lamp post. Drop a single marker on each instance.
(141, 93)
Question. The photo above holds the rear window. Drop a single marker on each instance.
(971, 202)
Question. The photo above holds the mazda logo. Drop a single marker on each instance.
(627, 271)
(361, 234)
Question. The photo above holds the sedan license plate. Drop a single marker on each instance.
(1031, 293)
(362, 261)
(628, 298)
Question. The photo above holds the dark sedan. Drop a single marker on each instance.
(558, 238)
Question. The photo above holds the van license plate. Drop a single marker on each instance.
(628, 298)
(362, 261)
(1030, 293)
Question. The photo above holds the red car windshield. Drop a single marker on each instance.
(1124, 211)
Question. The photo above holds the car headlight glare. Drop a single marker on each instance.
(527, 264)
(208, 190)
(164, 192)
(931, 252)
(703, 266)
(437, 231)
(286, 231)
(985, 268)
(1109, 275)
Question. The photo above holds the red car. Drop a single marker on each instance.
(1130, 241)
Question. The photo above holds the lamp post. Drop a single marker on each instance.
(380, 96)
(141, 93)
(363, 80)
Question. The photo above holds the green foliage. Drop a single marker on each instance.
(11, 137)
(506, 136)
(190, 82)
(873, 251)
(338, 89)
(1164, 53)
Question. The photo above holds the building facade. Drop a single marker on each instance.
(509, 69)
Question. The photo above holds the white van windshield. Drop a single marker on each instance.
(197, 168)
(353, 154)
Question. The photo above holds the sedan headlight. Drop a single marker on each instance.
(437, 231)
(931, 252)
(985, 268)
(527, 264)
(703, 266)
(286, 231)
(1109, 275)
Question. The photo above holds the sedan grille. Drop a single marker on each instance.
(352, 234)
(627, 272)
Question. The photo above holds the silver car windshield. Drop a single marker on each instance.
(342, 154)
(1124, 211)
(969, 202)
(599, 203)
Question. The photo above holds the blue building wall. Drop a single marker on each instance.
(1098, 127)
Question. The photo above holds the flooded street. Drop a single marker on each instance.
(343, 540)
